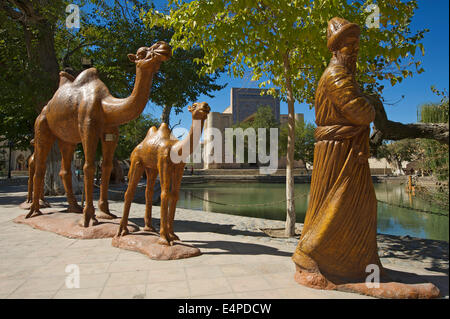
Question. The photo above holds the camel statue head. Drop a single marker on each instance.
(148, 57)
(199, 110)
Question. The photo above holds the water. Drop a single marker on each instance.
(391, 219)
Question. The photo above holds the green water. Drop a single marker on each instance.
(392, 220)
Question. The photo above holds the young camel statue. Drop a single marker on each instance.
(83, 110)
(161, 153)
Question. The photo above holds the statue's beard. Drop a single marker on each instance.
(349, 61)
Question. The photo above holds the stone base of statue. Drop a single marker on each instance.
(66, 224)
(42, 204)
(395, 285)
(147, 243)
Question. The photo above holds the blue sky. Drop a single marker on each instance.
(431, 14)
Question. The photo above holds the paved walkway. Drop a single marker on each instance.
(238, 260)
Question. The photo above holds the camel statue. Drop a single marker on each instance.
(155, 154)
(83, 110)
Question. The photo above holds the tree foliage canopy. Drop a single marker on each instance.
(132, 133)
(435, 154)
(119, 31)
(399, 151)
(257, 34)
(35, 45)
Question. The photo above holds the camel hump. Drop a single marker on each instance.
(163, 127)
(65, 77)
(86, 76)
(151, 131)
(164, 130)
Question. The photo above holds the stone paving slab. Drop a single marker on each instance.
(238, 260)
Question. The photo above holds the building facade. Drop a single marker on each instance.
(244, 103)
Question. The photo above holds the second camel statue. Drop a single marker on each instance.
(161, 153)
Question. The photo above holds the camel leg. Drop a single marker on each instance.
(108, 148)
(135, 174)
(44, 140)
(31, 170)
(151, 179)
(30, 179)
(165, 180)
(177, 175)
(42, 201)
(67, 150)
(89, 139)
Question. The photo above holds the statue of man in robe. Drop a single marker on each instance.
(338, 240)
(339, 236)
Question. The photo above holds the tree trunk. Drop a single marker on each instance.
(165, 116)
(40, 46)
(385, 129)
(117, 175)
(43, 53)
(290, 203)
(53, 184)
(49, 65)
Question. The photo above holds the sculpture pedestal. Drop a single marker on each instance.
(394, 290)
(410, 287)
(66, 224)
(147, 243)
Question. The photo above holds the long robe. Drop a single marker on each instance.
(339, 233)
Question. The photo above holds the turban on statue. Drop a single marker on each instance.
(337, 30)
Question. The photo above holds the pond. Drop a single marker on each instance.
(249, 199)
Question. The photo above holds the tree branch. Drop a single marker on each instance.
(171, 129)
(13, 14)
(29, 14)
(69, 53)
(384, 129)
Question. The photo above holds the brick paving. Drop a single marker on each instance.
(237, 261)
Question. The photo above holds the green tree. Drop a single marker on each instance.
(398, 152)
(132, 133)
(29, 68)
(304, 141)
(435, 155)
(284, 45)
(120, 31)
(28, 65)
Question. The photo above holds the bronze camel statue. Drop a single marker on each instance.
(155, 155)
(83, 110)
